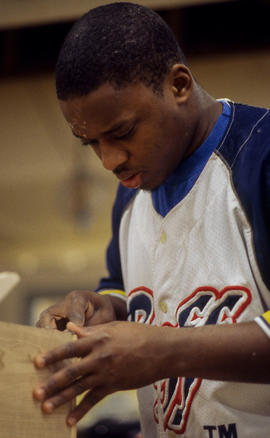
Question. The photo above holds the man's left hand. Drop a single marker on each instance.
(114, 356)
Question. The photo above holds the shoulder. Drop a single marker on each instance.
(246, 151)
(247, 136)
(246, 148)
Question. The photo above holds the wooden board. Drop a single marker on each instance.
(20, 414)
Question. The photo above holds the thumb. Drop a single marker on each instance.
(77, 330)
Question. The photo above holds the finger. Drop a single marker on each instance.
(104, 311)
(46, 320)
(78, 348)
(79, 331)
(101, 316)
(90, 400)
(62, 379)
(77, 316)
(74, 328)
(77, 388)
(81, 308)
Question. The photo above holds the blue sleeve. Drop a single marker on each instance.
(113, 261)
(250, 167)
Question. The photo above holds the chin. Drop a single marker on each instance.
(150, 186)
(152, 182)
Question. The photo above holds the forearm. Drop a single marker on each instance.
(237, 352)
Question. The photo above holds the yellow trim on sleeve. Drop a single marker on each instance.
(112, 291)
(266, 316)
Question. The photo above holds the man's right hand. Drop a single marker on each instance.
(84, 308)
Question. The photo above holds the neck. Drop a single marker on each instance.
(208, 110)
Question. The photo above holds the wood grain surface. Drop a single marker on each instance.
(20, 414)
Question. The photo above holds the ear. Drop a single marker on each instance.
(181, 82)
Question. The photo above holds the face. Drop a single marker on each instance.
(138, 135)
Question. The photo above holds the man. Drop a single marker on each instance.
(189, 257)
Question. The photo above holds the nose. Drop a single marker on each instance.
(111, 156)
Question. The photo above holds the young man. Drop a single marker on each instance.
(189, 257)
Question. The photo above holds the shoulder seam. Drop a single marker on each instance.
(240, 148)
(248, 137)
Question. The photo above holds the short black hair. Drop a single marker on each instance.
(119, 43)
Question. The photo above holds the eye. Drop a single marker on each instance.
(126, 135)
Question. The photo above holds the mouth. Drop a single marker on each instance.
(131, 181)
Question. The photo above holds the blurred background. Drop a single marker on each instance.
(55, 198)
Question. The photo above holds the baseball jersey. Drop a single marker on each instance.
(196, 251)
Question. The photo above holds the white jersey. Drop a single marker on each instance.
(190, 254)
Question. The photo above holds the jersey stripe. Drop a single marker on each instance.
(113, 292)
(264, 322)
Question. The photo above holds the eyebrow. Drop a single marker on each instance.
(111, 130)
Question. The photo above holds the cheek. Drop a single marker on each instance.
(153, 146)
(149, 143)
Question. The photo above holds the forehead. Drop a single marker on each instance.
(107, 105)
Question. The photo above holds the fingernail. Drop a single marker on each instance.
(40, 361)
(48, 407)
(71, 421)
(39, 393)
